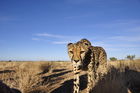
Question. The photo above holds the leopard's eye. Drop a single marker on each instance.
(71, 52)
(81, 52)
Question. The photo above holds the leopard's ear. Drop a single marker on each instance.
(69, 44)
(86, 44)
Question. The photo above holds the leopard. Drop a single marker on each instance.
(86, 57)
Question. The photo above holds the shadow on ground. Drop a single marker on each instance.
(58, 70)
(47, 70)
(67, 86)
(132, 82)
(49, 78)
(6, 89)
(6, 71)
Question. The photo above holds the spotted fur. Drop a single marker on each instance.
(84, 56)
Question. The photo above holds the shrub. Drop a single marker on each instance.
(130, 57)
(113, 59)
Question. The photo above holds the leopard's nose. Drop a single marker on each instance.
(76, 61)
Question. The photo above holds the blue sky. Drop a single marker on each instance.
(41, 29)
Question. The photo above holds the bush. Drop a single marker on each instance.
(130, 57)
(113, 59)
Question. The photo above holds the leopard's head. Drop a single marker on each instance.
(77, 53)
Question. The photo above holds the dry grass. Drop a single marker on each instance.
(22, 75)
(47, 67)
(122, 77)
(56, 77)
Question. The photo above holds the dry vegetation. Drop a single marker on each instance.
(57, 77)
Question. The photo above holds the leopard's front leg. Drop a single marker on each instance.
(91, 77)
(92, 73)
(76, 82)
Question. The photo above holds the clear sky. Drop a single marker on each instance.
(41, 29)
